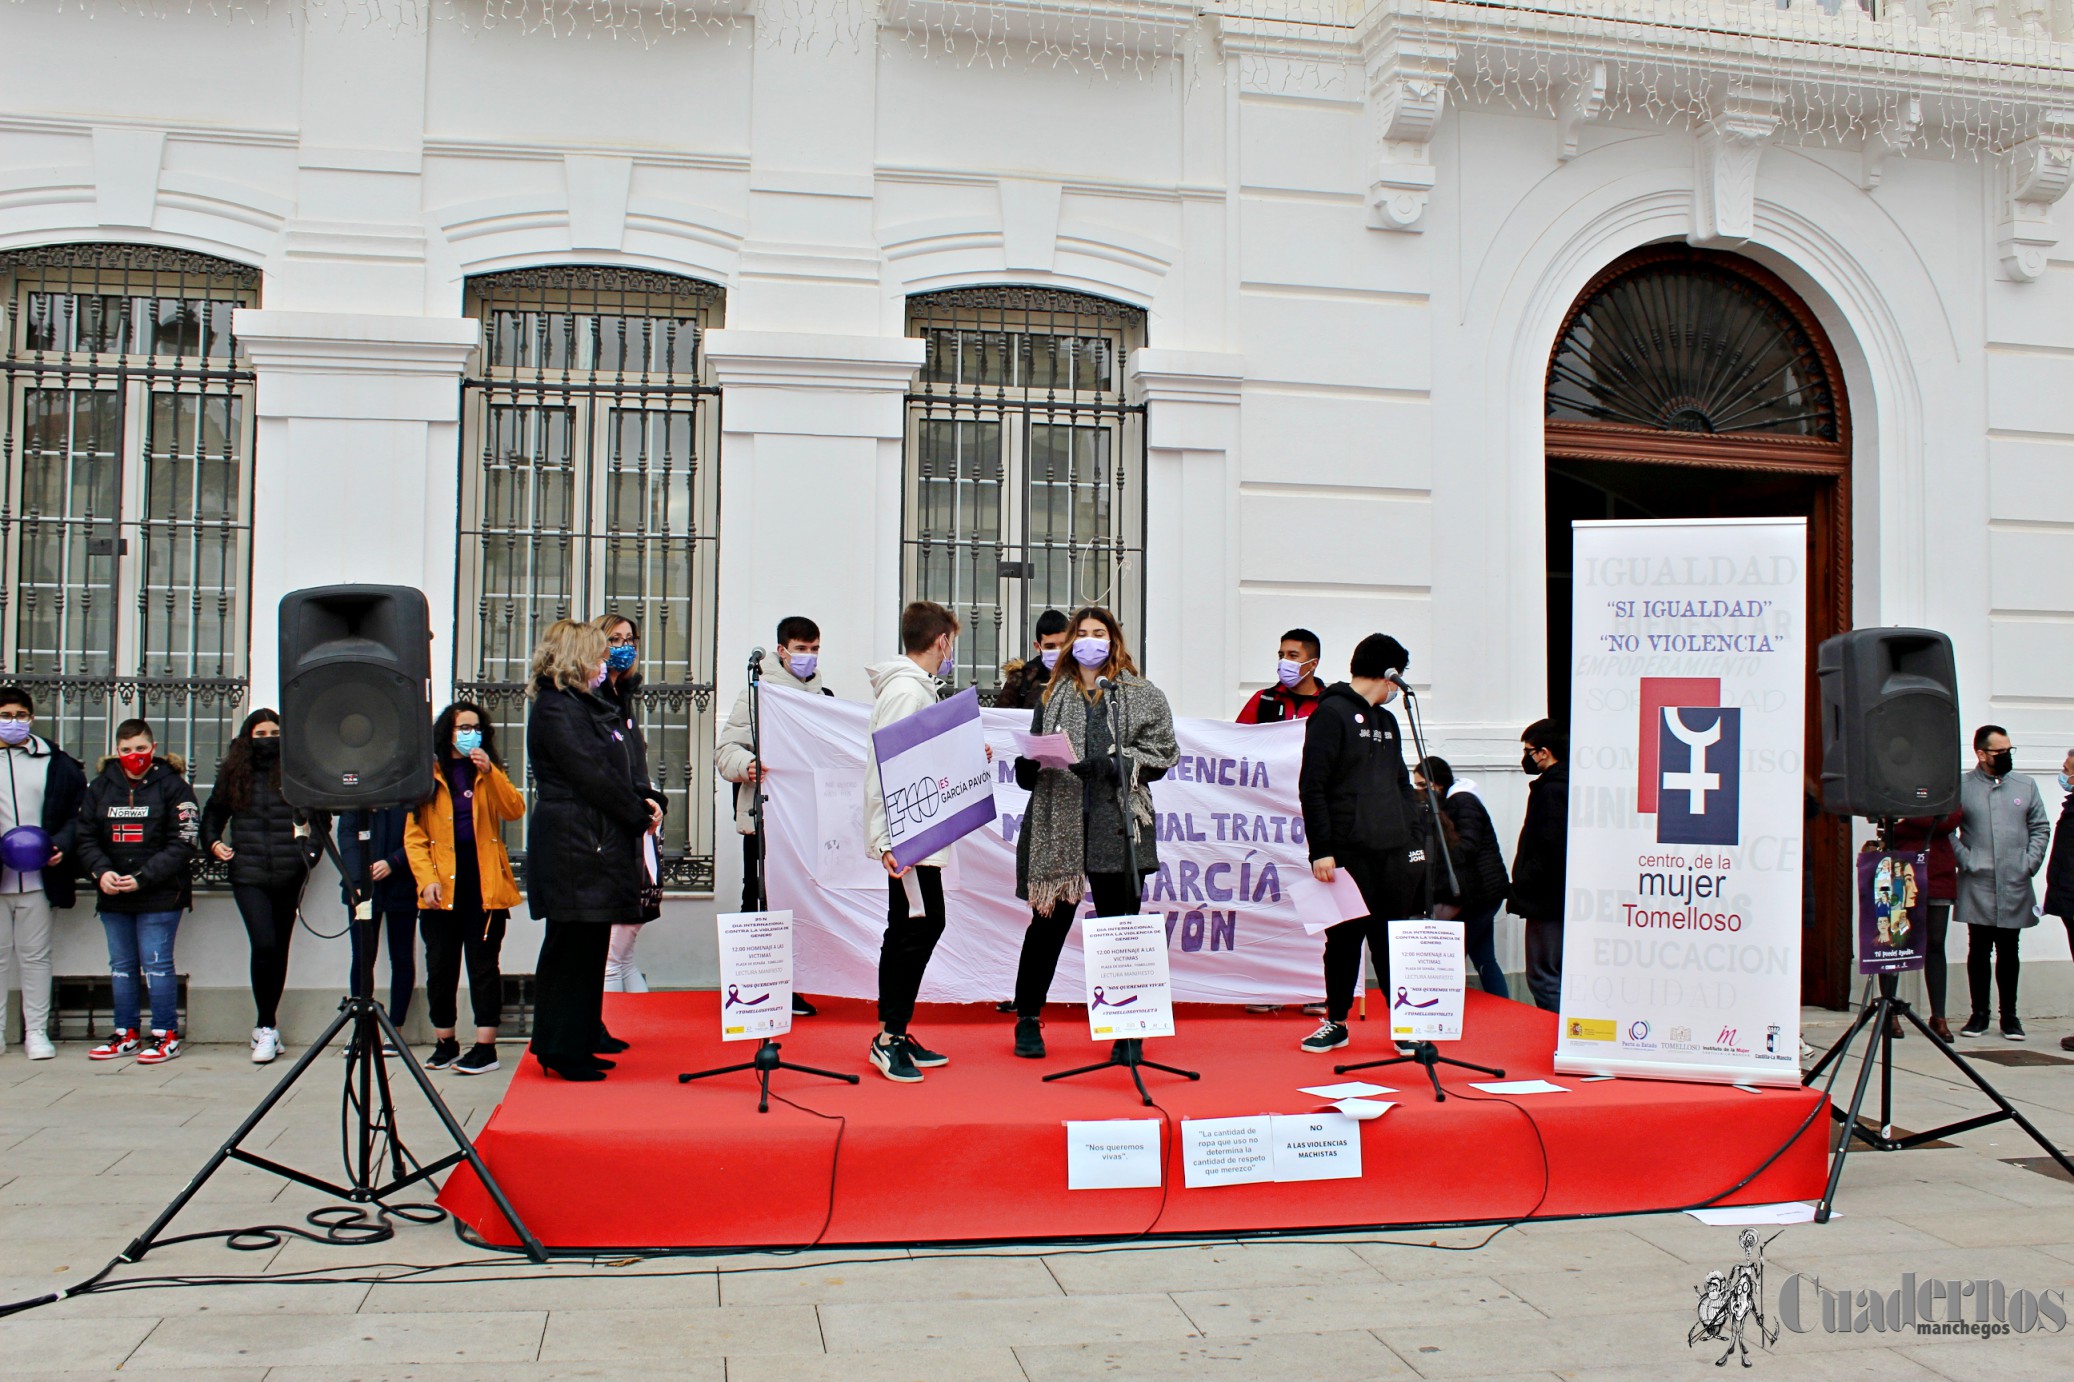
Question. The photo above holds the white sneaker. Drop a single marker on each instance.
(636, 981)
(39, 1046)
(266, 1044)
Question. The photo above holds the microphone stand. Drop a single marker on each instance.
(767, 1056)
(1130, 1051)
(1425, 1053)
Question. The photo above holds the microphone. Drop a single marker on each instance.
(1104, 684)
(756, 657)
(1395, 676)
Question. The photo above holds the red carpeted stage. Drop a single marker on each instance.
(978, 1152)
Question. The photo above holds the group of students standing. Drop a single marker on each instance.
(438, 869)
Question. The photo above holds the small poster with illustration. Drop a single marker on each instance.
(1893, 911)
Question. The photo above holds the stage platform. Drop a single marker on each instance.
(978, 1152)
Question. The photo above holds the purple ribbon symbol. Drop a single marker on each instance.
(1404, 999)
(734, 999)
(1102, 1000)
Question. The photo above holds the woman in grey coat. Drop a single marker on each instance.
(2000, 847)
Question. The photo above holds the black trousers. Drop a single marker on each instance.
(269, 915)
(366, 936)
(1116, 895)
(1991, 953)
(1935, 970)
(752, 896)
(910, 941)
(569, 989)
(1545, 963)
(464, 929)
(1388, 883)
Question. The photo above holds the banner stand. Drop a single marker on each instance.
(756, 954)
(1130, 1054)
(766, 1060)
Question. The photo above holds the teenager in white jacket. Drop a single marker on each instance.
(900, 688)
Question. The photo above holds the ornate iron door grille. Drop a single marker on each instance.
(590, 484)
(125, 530)
(1025, 466)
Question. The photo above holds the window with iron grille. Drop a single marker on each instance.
(590, 484)
(126, 535)
(1025, 466)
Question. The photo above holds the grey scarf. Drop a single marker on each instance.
(1054, 866)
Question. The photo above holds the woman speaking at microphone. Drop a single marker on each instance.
(583, 848)
(1072, 841)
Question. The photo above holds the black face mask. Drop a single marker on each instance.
(265, 750)
(2000, 763)
(1527, 764)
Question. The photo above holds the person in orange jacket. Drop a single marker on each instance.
(466, 889)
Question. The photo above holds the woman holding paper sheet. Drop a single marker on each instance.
(1072, 841)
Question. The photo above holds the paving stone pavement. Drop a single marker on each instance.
(90, 1153)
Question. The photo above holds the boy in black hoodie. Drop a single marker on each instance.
(1358, 810)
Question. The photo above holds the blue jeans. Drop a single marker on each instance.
(143, 940)
(1479, 932)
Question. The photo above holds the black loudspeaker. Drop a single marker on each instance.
(1890, 723)
(356, 697)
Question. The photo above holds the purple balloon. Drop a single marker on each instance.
(25, 848)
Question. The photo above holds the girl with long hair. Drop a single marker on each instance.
(623, 688)
(466, 890)
(1073, 840)
(270, 847)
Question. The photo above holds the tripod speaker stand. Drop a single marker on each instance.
(369, 1100)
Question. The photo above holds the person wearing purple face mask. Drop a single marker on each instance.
(40, 794)
(583, 847)
(1297, 688)
(1023, 683)
(796, 665)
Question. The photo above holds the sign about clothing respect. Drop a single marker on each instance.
(934, 774)
(1688, 687)
(1232, 893)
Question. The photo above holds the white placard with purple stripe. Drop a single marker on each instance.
(755, 975)
(934, 774)
(1130, 990)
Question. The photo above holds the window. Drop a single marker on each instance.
(126, 537)
(590, 484)
(1025, 466)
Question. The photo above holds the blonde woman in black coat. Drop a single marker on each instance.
(583, 858)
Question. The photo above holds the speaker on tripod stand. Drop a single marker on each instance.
(356, 734)
(1890, 749)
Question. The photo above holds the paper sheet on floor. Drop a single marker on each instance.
(1346, 1089)
(1361, 1110)
(1517, 1087)
(1792, 1212)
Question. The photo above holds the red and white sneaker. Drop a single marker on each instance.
(164, 1046)
(123, 1041)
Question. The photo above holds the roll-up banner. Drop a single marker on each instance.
(1688, 685)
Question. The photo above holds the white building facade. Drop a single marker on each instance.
(1236, 320)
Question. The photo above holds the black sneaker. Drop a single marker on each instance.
(889, 1055)
(1976, 1025)
(1330, 1036)
(1029, 1038)
(921, 1055)
(1007, 1005)
(445, 1052)
(802, 1008)
(480, 1060)
(2012, 1029)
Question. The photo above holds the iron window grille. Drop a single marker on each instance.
(590, 484)
(126, 530)
(1025, 475)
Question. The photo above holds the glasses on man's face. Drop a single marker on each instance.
(16, 713)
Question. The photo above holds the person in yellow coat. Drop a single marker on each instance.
(466, 890)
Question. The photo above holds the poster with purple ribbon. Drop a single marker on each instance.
(1130, 990)
(934, 773)
(755, 975)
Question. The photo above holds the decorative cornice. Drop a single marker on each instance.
(1582, 101)
(342, 343)
(804, 360)
(1726, 154)
(1407, 92)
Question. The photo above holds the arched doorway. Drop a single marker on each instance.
(1689, 383)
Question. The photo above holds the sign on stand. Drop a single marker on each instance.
(1426, 972)
(1129, 991)
(755, 975)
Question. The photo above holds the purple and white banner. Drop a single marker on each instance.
(933, 771)
(1232, 892)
